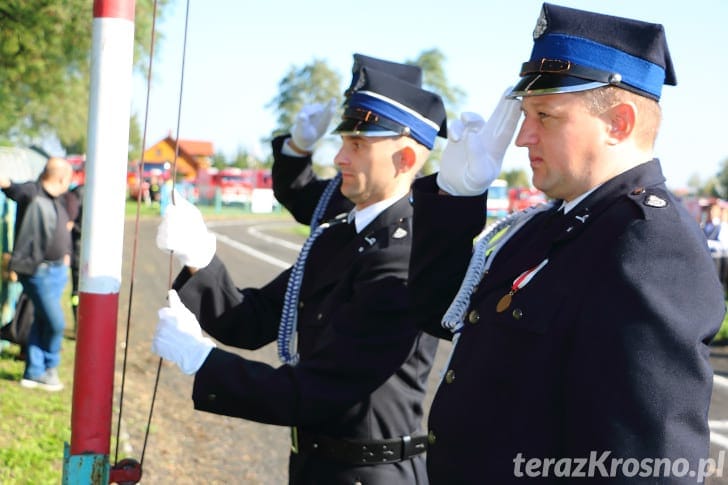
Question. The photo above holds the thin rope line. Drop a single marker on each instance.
(140, 172)
(174, 176)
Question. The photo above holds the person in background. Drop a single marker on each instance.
(714, 224)
(354, 367)
(75, 200)
(40, 258)
(583, 336)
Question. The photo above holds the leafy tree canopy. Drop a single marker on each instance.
(45, 48)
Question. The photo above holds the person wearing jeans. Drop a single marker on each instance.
(40, 258)
(45, 288)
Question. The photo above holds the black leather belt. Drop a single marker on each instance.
(359, 452)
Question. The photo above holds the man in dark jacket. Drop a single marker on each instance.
(40, 258)
(352, 387)
(582, 340)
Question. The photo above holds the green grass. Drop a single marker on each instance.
(722, 335)
(34, 424)
(208, 211)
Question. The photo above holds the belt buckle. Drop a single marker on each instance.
(294, 439)
(407, 447)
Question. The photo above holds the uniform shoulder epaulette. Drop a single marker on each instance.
(651, 201)
(654, 198)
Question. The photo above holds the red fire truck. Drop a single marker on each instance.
(233, 185)
(523, 197)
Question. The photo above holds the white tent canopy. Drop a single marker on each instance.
(21, 164)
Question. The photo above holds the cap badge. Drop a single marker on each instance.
(360, 81)
(541, 25)
(655, 201)
(399, 233)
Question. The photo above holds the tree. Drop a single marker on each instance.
(243, 159)
(312, 83)
(694, 183)
(45, 48)
(219, 160)
(432, 63)
(516, 178)
(722, 180)
(136, 138)
(434, 79)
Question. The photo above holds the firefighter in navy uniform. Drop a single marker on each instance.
(295, 184)
(584, 333)
(353, 387)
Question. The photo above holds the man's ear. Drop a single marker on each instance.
(621, 119)
(407, 158)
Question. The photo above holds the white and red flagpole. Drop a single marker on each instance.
(86, 460)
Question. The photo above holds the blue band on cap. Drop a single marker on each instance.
(421, 129)
(636, 72)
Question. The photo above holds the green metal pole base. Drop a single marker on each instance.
(89, 469)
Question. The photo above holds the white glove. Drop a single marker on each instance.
(178, 337)
(311, 124)
(184, 233)
(474, 153)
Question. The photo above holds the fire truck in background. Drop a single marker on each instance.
(233, 185)
(503, 200)
(79, 174)
(523, 197)
(497, 204)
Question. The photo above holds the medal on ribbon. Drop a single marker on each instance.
(522, 280)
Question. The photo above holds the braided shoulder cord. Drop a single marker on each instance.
(323, 202)
(287, 353)
(485, 250)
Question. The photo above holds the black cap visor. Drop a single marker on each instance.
(547, 83)
(350, 126)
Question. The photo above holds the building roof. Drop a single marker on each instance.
(196, 148)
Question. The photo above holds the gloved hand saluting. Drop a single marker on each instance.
(184, 233)
(311, 124)
(178, 337)
(474, 153)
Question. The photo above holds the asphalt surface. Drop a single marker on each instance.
(191, 447)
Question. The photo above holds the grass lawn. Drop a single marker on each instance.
(34, 424)
(722, 335)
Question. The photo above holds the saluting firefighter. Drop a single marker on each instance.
(352, 387)
(586, 329)
(295, 185)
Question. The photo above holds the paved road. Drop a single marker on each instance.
(190, 447)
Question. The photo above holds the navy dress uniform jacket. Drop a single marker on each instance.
(363, 363)
(604, 350)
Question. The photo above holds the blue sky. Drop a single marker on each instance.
(237, 52)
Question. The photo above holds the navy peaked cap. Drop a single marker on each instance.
(404, 72)
(575, 50)
(383, 105)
